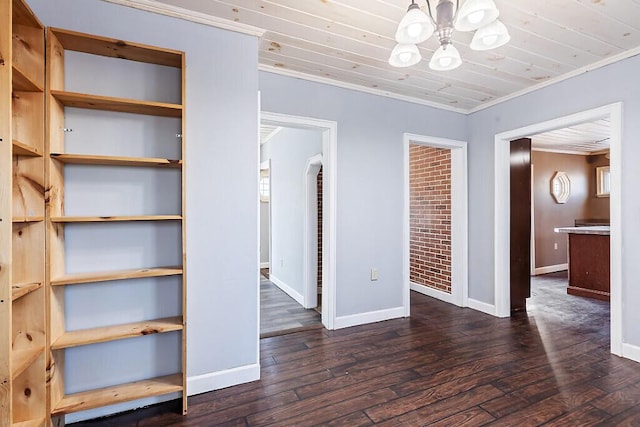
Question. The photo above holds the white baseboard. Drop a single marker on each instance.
(481, 306)
(630, 351)
(369, 317)
(264, 264)
(287, 289)
(227, 378)
(551, 269)
(433, 293)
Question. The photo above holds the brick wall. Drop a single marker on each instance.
(430, 217)
(319, 184)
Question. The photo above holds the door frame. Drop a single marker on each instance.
(459, 222)
(329, 131)
(501, 209)
(310, 233)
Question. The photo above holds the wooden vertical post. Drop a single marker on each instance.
(5, 212)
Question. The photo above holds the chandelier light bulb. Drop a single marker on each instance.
(490, 36)
(475, 17)
(414, 30)
(445, 58)
(405, 55)
(474, 14)
(415, 27)
(490, 40)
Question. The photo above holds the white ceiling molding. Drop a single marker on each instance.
(572, 152)
(591, 67)
(359, 88)
(189, 15)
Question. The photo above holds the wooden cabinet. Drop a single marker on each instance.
(22, 211)
(115, 144)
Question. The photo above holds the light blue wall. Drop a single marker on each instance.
(221, 176)
(613, 83)
(369, 179)
(289, 151)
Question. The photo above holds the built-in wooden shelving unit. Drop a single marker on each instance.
(22, 211)
(59, 220)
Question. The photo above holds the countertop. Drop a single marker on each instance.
(602, 230)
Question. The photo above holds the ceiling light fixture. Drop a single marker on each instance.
(417, 26)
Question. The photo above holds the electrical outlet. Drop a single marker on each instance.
(374, 274)
(555, 246)
(281, 262)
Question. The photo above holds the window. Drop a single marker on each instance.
(561, 187)
(264, 185)
(603, 181)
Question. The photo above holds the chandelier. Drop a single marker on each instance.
(417, 26)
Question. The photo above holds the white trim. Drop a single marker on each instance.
(287, 289)
(216, 380)
(459, 217)
(551, 269)
(573, 152)
(190, 15)
(356, 87)
(501, 209)
(631, 351)
(369, 317)
(310, 233)
(329, 194)
(264, 264)
(481, 306)
(433, 293)
(591, 67)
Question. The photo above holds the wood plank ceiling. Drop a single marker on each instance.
(348, 42)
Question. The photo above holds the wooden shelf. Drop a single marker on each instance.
(22, 359)
(90, 159)
(122, 105)
(20, 149)
(38, 422)
(26, 219)
(22, 82)
(115, 48)
(117, 332)
(76, 219)
(21, 289)
(74, 279)
(118, 394)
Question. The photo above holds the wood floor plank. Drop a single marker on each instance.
(473, 417)
(620, 400)
(438, 410)
(444, 366)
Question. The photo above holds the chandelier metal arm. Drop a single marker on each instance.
(435, 22)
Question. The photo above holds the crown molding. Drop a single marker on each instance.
(359, 88)
(189, 15)
(591, 67)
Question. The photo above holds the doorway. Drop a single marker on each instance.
(503, 140)
(309, 260)
(458, 294)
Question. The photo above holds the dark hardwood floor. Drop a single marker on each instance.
(279, 313)
(444, 366)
